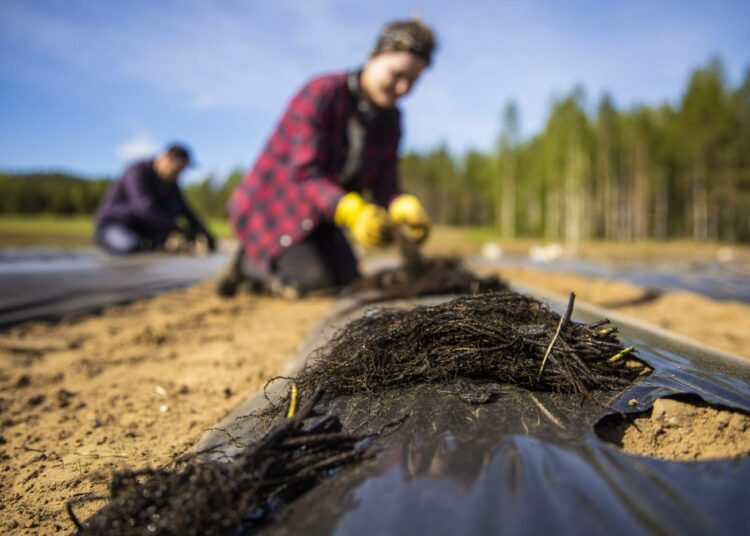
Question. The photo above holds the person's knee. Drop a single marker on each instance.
(304, 271)
(306, 277)
(314, 277)
(118, 240)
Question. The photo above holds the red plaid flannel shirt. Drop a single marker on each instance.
(292, 186)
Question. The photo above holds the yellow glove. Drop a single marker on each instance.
(367, 222)
(407, 209)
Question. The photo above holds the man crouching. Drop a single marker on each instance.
(142, 211)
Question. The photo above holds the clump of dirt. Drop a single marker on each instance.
(501, 337)
(684, 429)
(214, 498)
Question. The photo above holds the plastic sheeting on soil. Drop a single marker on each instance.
(717, 280)
(47, 285)
(527, 463)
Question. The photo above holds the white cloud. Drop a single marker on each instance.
(139, 145)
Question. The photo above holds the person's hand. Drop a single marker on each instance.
(409, 212)
(177, 243)
(368, 223)
(204, 243)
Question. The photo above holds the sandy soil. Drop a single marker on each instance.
(130, 388)
(139, 384)
(683, 430)
(725, 325)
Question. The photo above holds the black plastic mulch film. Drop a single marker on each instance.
(528, 462)
(39, 286)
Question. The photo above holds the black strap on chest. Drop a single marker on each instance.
(362, 114)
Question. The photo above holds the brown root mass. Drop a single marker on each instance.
(423, 276)
(214, 498)
(433, 276)
(500, 337)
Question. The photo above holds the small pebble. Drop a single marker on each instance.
(24, 381)
(36, 400)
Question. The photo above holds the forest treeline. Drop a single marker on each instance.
(676, 170)
(49, 193)
(671, 171)
(67, 195)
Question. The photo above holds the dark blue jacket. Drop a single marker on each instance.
(144, 202)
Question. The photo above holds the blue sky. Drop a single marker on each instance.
(86, 86)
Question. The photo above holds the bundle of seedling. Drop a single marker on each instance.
(418, 275)
(493, 337)
(439, 275)
(213, 498)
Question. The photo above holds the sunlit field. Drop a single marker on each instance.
(62, 231)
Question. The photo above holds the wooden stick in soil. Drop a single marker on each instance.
(563, 322)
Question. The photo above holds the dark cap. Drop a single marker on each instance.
(180, 152)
